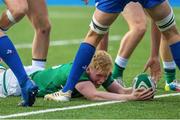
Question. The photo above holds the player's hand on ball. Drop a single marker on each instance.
(143, 94)
(155, 68)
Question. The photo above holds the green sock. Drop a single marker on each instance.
(169, 75)
(117, 71)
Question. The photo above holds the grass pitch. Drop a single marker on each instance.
(71, 24)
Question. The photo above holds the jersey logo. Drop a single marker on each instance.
(9, 51)
(84, 67)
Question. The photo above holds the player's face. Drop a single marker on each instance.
(97, 77)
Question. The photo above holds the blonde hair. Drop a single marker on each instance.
(102, 62)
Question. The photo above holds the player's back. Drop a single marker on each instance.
(52, 79)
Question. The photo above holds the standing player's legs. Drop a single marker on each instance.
(134, 15)
(38, 15)
(9, 54)
(163, 15)
(165, 52)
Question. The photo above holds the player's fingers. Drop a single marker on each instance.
(146, 67)
(140, 90)
(146, 91)
(157, 75)
(149, 95)
(154, 76)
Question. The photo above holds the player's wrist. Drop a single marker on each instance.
(130, 97)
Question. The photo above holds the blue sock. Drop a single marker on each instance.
(81, 61)
(175, 50)
(10, 56)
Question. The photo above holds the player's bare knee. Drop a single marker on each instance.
(139, 29)
(98, 27)
(42, 26)
(45, 29)
(166, 23)
(48, 27)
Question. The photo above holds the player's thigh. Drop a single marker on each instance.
(160, 11)
(37, 12)
(134, 14)
(105, 18)
(17, 5)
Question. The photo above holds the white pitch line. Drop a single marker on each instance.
(64, 42)
(75, 107)
(167, 95)
(59, 109)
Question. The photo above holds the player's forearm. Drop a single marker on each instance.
(105, 96)
(127, 90)
(124, 91)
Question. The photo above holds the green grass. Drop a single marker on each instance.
(72, 23)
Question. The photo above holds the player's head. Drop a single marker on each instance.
(100, 67)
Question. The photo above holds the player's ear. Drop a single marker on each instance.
(110, 73)
(87, 70)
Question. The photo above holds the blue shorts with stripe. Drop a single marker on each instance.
(116, 6)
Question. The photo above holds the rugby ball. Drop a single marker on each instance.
(143, 80)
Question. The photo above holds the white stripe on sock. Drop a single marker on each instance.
(122, 62)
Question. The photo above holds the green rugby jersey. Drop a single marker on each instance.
(53, 79)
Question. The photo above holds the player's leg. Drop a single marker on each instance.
(137, 28)
(163, 15)
(168, 64)
(16, 10)
(38, 15)
(103, 44)
(9, 54)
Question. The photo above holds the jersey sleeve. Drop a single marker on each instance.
(84, 77)
(108, 82)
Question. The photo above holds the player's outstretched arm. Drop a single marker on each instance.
(88, 90)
